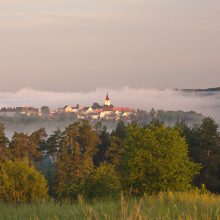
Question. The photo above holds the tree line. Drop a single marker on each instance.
(91, 162)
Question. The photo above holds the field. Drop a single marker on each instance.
(162, 206)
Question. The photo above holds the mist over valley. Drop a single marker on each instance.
(205, 102)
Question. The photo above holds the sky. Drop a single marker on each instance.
(85, 45)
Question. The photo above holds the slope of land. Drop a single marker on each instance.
(215, 89)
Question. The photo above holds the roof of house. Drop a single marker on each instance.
(123, 109)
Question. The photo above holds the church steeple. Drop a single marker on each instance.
(107, 101)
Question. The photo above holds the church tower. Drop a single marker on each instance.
(107, 101)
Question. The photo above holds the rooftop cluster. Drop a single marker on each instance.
(95, 112)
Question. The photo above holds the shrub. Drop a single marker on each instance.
(19, 182)
(104, 182)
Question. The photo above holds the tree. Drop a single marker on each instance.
(38, 142)
(21, 183)
(103, 182)
(157, 160)
(54, 141)
(190, 133)
(104, 144)
(20, 146)
(120, 130)
(206, 150)
(88, 141)
(96, 105)
(69, 177)
(115, 152)
(69, 167)
(78, 147)
(4, 153)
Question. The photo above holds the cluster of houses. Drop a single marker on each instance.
(10, 112)
(95, 112)
(106, 111)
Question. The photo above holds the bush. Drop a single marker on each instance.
(19, 182)
(104, 182)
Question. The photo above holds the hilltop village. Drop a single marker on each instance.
(95, 112)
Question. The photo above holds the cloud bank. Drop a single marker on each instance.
(206, 103)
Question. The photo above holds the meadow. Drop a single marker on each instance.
(163, 206)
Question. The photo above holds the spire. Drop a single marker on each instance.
(107, 97)
(107, 101)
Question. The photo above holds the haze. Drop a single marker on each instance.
(145, 99)
(81, 45)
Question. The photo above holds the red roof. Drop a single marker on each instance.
(121, 109)
(97, 111)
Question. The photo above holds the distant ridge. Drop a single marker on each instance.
(215, 89)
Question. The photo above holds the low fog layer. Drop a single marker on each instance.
(206, 103)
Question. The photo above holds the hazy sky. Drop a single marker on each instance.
(81, 45)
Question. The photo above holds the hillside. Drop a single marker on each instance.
(215, 89)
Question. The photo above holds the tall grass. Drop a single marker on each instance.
(190, 206)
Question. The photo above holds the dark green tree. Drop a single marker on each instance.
(206, 150)
(53, 143)
(4, 153)
(104, 144)
(116, 150)
(120, 130)
(115, 153)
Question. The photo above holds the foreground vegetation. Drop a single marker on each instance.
(169, 205)
(88, 164)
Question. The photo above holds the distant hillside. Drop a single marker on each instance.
(216, 89)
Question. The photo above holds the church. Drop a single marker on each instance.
(109, 111)
(107, 101)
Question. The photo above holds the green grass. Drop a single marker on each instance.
(163, 206)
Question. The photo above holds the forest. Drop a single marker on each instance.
(88, 163)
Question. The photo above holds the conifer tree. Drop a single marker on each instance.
(207, 152)
(76, 159)
(20, 146)
(4, 153)
(38, 142)
(69, 173)
(88, 141)
(104, 144)
(120, 130)
(54, 141)
(116, 150)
